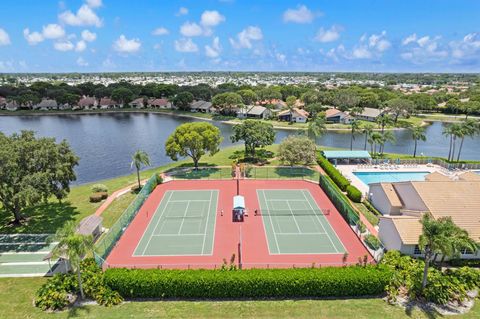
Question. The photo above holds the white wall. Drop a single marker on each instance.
(380, 200)
(388, 234)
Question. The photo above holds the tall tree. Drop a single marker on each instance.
(447, 131)
(418, 134)
(441, 236)
(182, 100)
(387, 137)
(73, 247)
(367, 130)
(32, 170)
(140, 158)
(375, 139)
(345, 100)
(400, 107)
(249, 97)
(316, 127)
(194, 140)
(469, 128)
(227, 102)
(255, 134)
(354, 126)
(123, 95)
(295, 150)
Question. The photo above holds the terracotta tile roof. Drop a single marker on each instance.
(333, 112)
(458, 199)
(436, 177)
(86, 101)
(301, 112)
(469, 176)
(158, 102)
(409, 228)
(107, 101)
(392, 195)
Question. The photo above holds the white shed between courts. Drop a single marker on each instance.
(238, 202)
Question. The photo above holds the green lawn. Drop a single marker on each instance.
(16, 295)
(116, 208)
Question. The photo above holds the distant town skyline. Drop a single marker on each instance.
(235, 35)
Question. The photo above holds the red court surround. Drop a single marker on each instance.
(227, 233)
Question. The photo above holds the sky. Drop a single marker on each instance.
(240, 35)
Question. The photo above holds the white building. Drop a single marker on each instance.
(404, 203)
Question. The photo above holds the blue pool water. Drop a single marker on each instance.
(378, 177)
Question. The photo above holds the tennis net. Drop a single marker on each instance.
(294, 212)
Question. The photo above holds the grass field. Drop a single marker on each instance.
(16, 295)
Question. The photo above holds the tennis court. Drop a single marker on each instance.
(183, 224)
(294, 224)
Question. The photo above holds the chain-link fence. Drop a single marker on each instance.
(206, 173)
(280, 172)
(106, 243)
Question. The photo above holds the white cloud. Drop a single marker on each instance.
(124, 45)
(411, 38)
(370, 46)
(214, 50)
(160, 31)
(53, 31)
(4, 37)
(328, 35)
(182, 11)
(424, 50)
(94, 3)
(85, 16)
(32, 38)
(82, 62)
(211, 18)
(468, 49)
(80, 46)
(246, 36)
(299, 15)
(108, 64)
(191, 29)
(63, 45)
(281, 57)
(88, 36)
(185, 45)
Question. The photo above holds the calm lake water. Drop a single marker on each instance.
(106, 142)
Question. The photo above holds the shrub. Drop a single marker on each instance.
(334, 174)
(354, 194)
(372, 242)
(97, 197)
(252, 283)
(361, 227)
(371, 208)
(97, 188)
(56, 293)
(465, 262)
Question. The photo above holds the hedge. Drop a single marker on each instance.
(372, 242)
(253, 283)
(334, 174)
(354, 194)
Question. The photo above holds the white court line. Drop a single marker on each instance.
(271, 223)
(282, 200)
(331, 241)
(206, 225)
(176, 235)
(184, 217)
(315, 233)
(188, 200)
(156, 225)
(294, 219)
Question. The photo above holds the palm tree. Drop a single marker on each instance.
(387, 136)
(138, 159)
(72, 246)
(469, 128)
(374, 139)
(433, 240)
(457, 132)
(353, 129)
(367, 130)
(418, 134)
(383, 121)
(447, 131)
(316, 127)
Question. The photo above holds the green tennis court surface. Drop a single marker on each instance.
(183, 224)
(294, 224)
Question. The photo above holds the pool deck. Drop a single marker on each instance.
(349, 170)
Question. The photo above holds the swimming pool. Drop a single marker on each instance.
(378, 177)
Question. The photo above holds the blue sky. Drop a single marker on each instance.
(240, 35)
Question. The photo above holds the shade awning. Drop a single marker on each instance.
(238, 202)
(346, 154)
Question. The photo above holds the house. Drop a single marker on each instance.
(275, 104)
(201, 106)
(337, 116)
(404, 203)
(3, 102)
(11, 106)
(369, 114)
(137, 103)
(107, 103)
(159, 104)
(86, 103)
(295, 115)
(46, 105)
(254, 111)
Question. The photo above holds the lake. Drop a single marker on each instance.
(106, 142)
